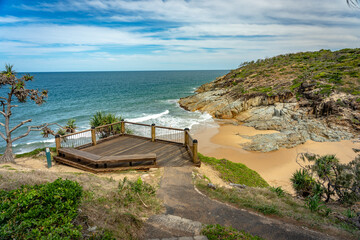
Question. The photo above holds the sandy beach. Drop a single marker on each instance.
(276, 167)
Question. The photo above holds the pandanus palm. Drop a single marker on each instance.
(353, 3)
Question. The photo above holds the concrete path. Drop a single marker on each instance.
(183, 201)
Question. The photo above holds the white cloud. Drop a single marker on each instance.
(181, 31)
(73, 34)
(12, 19)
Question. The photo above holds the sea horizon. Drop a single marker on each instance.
(137, 96)
(95, 71)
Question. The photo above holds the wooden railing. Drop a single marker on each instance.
(95, 135)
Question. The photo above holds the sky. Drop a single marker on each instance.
(124, 35)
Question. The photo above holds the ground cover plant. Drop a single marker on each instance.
(218, 232)
(107, 209)
(35, 152)
(41, 211)
(234, 172)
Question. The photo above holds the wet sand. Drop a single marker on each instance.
(276, 167)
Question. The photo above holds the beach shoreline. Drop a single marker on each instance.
(223, 139)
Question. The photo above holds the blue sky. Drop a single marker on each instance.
(117, 35)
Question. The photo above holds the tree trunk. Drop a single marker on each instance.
(8, 155)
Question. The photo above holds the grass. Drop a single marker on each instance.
(218, 232)
(34, 152)
(235, 172)
(268, 202)
(116, 208)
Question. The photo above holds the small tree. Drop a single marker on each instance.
(326, 177)
(70, 126)
(101, 118)
(17, 91)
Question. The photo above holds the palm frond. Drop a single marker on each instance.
(353, 3)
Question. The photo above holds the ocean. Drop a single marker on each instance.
(138, 96)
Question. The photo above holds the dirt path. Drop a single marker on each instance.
(182, 200)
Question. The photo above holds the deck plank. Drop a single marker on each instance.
(168, 154)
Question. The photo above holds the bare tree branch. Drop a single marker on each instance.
(30, 128)
(19, 125)
(2, 124)
(1, 112)
(35, 128)
(3, 136)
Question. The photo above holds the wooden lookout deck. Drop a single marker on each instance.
(126, 145)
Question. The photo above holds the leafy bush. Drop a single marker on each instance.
(215, 232)
(315, 204)
(278, 190)
(302, 182)
(70, 126)
(326, 177)
(101, 118)
(41, 211)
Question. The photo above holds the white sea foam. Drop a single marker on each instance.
(50, 140)
(185, 121)
(44, 141)
(172, 101)
(148, 117)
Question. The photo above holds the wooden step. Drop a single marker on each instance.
(100, 170)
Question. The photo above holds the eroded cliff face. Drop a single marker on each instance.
(311, 109)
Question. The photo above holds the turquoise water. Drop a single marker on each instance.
(145, 97)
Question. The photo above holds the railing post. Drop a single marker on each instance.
(57, 143)
(186, 139)
(122, 127)
(195, 151)
(93, 136)
(153, 132)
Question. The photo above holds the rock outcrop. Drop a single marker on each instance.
(301, 106)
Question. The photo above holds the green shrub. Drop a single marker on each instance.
(101, 119)
(70, 126)
(327, 177)
(302, 182)
(218, 232)
(278, 190)
(41, 211)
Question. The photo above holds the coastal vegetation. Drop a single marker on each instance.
(39, 211)
(325, 178)
(83, 206)
(100, 119)
(218, 232)
(333, 217)
(304, 96)
(17, 93)
(234, 172)
(328, 71)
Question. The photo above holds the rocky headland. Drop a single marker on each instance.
(304, 96)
